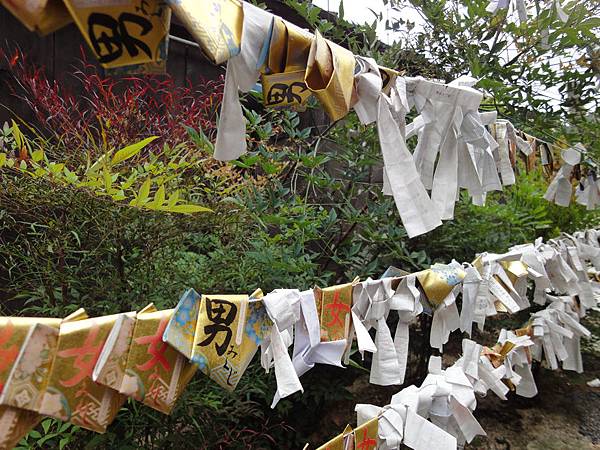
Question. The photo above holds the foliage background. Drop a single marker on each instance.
(302, 208)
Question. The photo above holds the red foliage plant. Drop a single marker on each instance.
(111, 112)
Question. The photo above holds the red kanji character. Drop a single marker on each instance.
(85, 357)
(156, 348)
(366, 442)
(7, 355)
(335, 308)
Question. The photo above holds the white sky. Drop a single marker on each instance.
(359, 11)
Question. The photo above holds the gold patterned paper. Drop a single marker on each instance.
(283, 75)
(333, 306)
(123, 33)
(41, 16)
(497, 354)
(72, 395)
(16, 422)
(365, 436)
(222, 349)
(110, 369)
(338, 442)
(438, 282)
(330, 75)
(215, 24)
(514, 270)
(388, 77)
(156, 373)
(218, 333)
(28, 379)
(181, 330)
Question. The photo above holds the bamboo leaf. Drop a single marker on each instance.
(173, 198)
(37, 155)
(144, 193)
(71, 177)
(159, 197)
(187, 209)
(46, 425)
(19, 139)
(129, 182)
(40, 172)
(118, 195)
(94, 167)
(131, 150)
(107, 178)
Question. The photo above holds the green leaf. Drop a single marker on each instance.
(64, 441)
(71, 177)
(129, 182)
(159, 197)
(144, 192)
(246, 162)
(131, 150)
(34, 433)
(118, 195)
(173, 198)
(46, 425)
(37, 155)
(19, 138)
(94, 167)
(187, 209)
(56, 167)
(40, 172)
(592, 22)
(2, 159)
(23, 165)
(107, 178)
(354, 364)
(46, 438)
(269, 167)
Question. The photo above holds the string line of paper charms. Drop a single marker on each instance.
(82, 369)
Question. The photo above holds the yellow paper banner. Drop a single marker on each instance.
(72, 394)
(339, 442)
(41, 16)
(438, 281)
(14, 331)
(365, 436)
(333, 305)
(156, 373)
(330, 75)
(218, 333)
(283, 75)
(112, 362)
(215, 24)
(123, 33)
